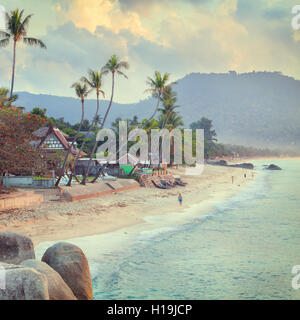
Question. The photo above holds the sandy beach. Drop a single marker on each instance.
(52, 221)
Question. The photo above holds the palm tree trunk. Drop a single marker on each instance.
(71, 146)
(83, 182)
(84, 141)
(13, 70)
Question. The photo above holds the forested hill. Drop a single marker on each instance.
(257, 109)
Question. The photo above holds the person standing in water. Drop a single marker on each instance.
(180, 198)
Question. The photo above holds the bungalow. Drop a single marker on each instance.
(52, 139)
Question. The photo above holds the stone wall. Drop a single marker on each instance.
(20, 200)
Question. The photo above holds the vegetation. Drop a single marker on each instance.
(16, 128)
(19, 156)
(157, 87)
(113, 66)
(17, 27)
(82, 92)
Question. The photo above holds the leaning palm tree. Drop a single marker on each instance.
(157, 87)
(82, 92)
(94, 82)
(113, 66)
(17, 31)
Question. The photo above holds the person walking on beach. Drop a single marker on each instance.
(180, 198)
(232, 179)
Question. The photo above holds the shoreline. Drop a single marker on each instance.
(58, 221)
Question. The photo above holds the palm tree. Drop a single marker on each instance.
(17, 31)
(94, 81)
(113, 66)
(82, 92)
(157, 87)
(169, 99)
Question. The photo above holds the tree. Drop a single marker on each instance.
(39, 111)
(169, 117)
(94, 81)
(206, 124)
(17, 31)
(157, 87)
(113, 66)
(211, 149)
(18, 154)
(81, 90)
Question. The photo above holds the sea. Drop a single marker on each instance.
(244, 247)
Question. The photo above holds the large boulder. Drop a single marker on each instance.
(57, 288)
(273, 167)
(22, 283)
(71, 263)
(15, 248)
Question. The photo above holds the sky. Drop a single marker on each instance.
(174, 36)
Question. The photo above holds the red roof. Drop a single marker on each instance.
(61, 137)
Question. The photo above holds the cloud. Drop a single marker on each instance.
(177, 37)
(103, 13)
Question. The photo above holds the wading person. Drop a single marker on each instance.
(180, 198)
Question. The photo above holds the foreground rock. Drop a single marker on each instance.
(57, 288)
(22, 283)
(273, 167)
(72, 265)
(15, 248)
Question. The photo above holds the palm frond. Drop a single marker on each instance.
(4, 34)
(102, 92)
(122, 74)
(4, 42)
(34, 42)
(26, 22)
(86, 80)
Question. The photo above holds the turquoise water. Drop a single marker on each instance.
(245, 249)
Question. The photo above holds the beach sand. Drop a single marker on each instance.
(53, 221)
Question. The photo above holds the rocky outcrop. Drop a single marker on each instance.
(15, 248)
(225, 164)
(57, 288)
(217, 162)
(243, 165)
(72, 265)
(273, 167)
(22, 283)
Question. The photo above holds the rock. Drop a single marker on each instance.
(243, 165)
(223, 163)
(273, 167)
(71, 263)
(15, 248)
(57, 288)
(22, 283)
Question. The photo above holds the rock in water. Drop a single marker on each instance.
(273, 167)
(71, 263)
(57, 288)
(15, 248)
(22, 283)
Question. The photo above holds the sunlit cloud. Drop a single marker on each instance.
(177, 37)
